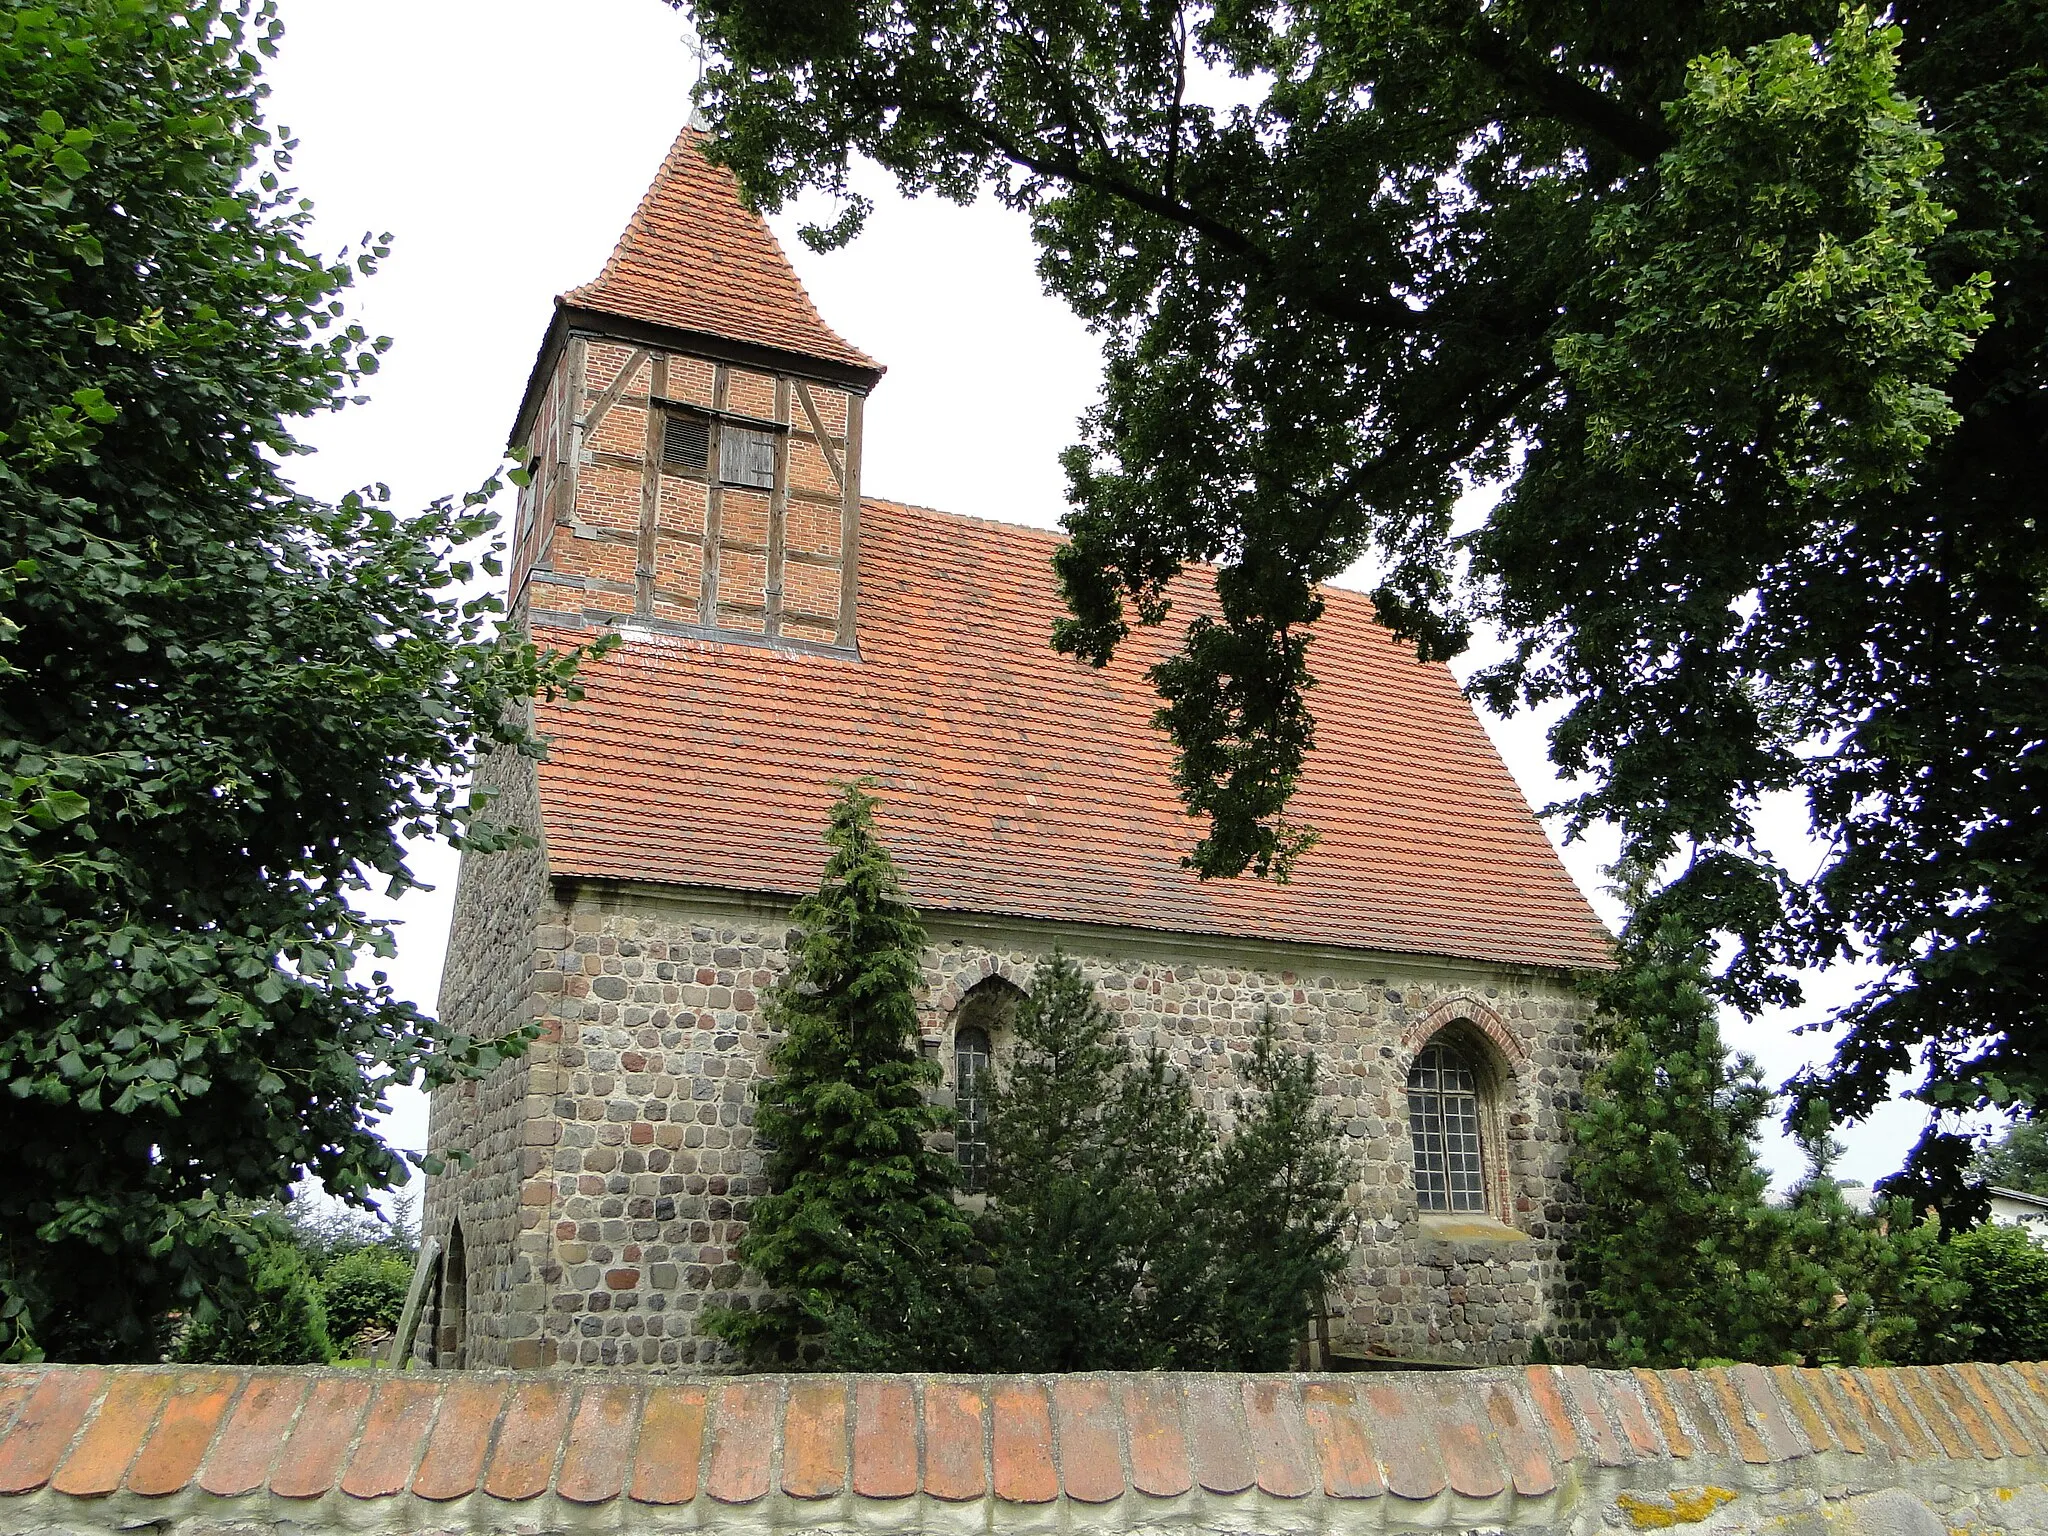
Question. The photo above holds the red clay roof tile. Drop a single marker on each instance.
(98, 1462)
(1222, 1460)
(1626, 1400)
(461, 1439)
(523, 1461)
(1949, 1390)
(1813, 1423)
(1091, 1465)
(1523, 1446)
(1159, 1445)
(243, 1455)
(1767, 1411)
(884, 1440)
(814, 1439)
(401, 1416)
(955, 1461)
(1549, 1397)
(1669, 1424)
(1690, 1396)
(1042, 1441)
(1020, 1442)
(2028, 1409)
(1282, 1462)
(1721, 1389)
(1409, 1442)
(1345, 1454)
(671, 1444)
(46, 1426)
(1020, 782)
(1464, 1443)
(696, 258)
(320, 1441)
(1885, 1411)
(743, 1429)
(1592, 1418)
(194, 1411)
(1826, 1388)
(15, 1387)
(600, 1448)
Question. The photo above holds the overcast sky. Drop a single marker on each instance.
(504, 145)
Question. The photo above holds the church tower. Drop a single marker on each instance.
(692, 427)
(692, 431)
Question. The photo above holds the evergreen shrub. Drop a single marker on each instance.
(276, 1319)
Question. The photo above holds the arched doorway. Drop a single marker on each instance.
(451, 1306)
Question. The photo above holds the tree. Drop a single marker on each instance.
(223, 706)
(2007, 1275)
(1675, 1211)
(1741, 308)
(1096, 1231)
(363, 1289)
(1684, 1256)
(1281, 1213)
(859, 1236)
(275, 1317)
(1122, 1232)
(2018, 1159)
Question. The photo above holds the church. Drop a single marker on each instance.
(694, 432)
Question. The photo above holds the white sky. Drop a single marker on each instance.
(506, 144)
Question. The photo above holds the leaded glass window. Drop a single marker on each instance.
(970, 1106)
(1443, 1119)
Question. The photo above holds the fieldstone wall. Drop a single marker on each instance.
(482, 1127)
(636, 1158)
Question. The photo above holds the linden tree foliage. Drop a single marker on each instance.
(1739, 307)
(223, 706)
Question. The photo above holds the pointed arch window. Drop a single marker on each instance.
(972, 1056)
(1443, 1121)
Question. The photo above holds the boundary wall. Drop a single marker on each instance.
(184, 1450)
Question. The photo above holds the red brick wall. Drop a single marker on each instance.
(683, 548)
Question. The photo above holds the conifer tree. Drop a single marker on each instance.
(859, 1235)
(1673, 1191)
(1684, 1256)
(1123, 1232)
(276, 1317)
(1097, 1165)
(1278, 1202)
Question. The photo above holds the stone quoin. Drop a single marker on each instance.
(694, 433)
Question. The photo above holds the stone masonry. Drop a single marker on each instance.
(625, 1135)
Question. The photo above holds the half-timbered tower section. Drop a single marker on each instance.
(694, 429)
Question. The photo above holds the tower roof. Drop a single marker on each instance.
(696, 258)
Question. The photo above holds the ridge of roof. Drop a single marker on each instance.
(1020, 783)
(695, 258)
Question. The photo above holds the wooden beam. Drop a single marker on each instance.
(650, 494)
(849, 525)
(803, 394)
(771, 592)
(612, 391)
(714, 503)
(423, 1272)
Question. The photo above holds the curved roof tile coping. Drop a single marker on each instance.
(1278, 1452)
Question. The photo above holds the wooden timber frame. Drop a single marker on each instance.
(644, 381)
